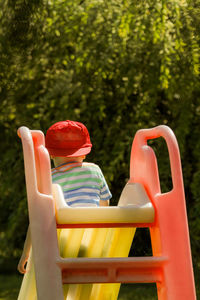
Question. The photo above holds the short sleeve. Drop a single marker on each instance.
(105, 193)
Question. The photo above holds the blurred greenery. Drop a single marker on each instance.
(117, 66)
(9, 286)
(138, 292)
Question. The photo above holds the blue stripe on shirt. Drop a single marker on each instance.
(82, 201)
(80, 194)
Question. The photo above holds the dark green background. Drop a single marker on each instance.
(117, 66)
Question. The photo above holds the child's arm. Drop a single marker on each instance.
(25, 254)
(104, 203)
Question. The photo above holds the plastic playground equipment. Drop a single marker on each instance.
(82, 253)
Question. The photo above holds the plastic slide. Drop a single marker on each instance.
(60, 233)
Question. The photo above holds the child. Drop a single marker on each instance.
(83, 184)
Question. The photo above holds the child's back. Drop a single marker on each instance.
(83, 183)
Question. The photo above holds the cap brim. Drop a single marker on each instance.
(69, 152)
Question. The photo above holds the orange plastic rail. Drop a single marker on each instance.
(169, 235)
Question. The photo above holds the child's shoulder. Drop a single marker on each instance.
(91, 165)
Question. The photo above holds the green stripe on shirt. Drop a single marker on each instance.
(98, 180)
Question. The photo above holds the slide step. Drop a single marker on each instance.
(115, 270)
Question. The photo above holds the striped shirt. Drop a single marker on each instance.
(83, 183)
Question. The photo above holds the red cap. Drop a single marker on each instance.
(68, 138)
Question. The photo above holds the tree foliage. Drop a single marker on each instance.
(117, 66)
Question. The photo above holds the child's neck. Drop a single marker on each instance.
(61, 160)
